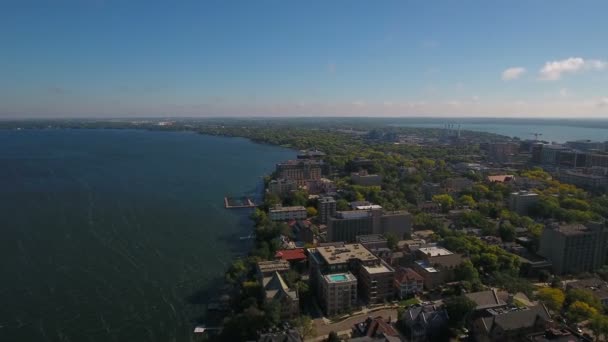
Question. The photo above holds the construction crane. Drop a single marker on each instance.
(536, 135)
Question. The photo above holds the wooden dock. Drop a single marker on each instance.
(239, 202)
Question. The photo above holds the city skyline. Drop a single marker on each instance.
(270, 58)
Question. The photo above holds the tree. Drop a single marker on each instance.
(311, 211)
(584, 296)
(459, 308)
(599, 326)
(466, 272)
(580, 311)
(272, 312)
(342, 204)
(467, 200)
(303, 324)
(506, 232)
(553, 298)
(445, 201)
(333, 337)
(391, 240)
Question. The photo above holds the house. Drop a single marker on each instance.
(376, 329)
(424, 322)
(510, 324)
(292, 256)
(291, 335)
(407, 282)
(275, 289)
(501, 178)
(488, 299)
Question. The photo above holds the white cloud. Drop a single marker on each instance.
(603, 102)
(513, 73)
(553, 70)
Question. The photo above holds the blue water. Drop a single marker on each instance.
(118, 235)
(551, 130)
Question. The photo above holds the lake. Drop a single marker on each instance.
(107, 234)
(557, 130)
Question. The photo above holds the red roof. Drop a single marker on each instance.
(406, 275)
(296, 254)
(500, 178)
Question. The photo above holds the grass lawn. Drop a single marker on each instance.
(409, 302)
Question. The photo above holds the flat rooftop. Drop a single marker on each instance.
(368, 207)
(287, 209)
(435, 251)
(371, 238)
(342, 254)
(353, 214)
(273, 266)
(572, 229)
(426, 266)
(377, 269)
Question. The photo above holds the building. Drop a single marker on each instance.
(431, 189)
(501, 178)
(502, 152)
(583, 180)
(282, 187)
(458, 184)
(377, 329)
(311, 154)
(331, 267)
(426, 322)
(291, 335)
(596, 159)
(397, 223)
(586, 145)
(268, 268)
(280, 213)
(407, 282)
(275, 289)
(293, 256)
(320, 186)
(365, 179)
(300, 170)
(597, 286)
(489, 299)
(510, 324)
(555, 335)
(326, 208)
(436, 265)
(372, 241)
(303, 230)
(574, 248)
(347, 225)
(571, 159)
(549, 153)
(522, 201)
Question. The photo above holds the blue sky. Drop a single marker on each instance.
(288, 58)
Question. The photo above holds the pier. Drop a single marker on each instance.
(238, 202)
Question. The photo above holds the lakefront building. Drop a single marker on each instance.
(300, 171)
(522, 201)
(347, 225)
(280, 213)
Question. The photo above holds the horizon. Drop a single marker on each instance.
(107, 58)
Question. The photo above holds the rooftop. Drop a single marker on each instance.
(287, 209)
(378, 268)
(500, 178)
(488, 299)
(339, 277)
(371, 238)
(571, 229)
(295, 254)
(353, 214)
(273, 266)
(406, 274)
(435, 251)
(342, 254)
(368, 207)
(524, 193)
(426, 266)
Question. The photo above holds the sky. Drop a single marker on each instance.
(123, 58)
